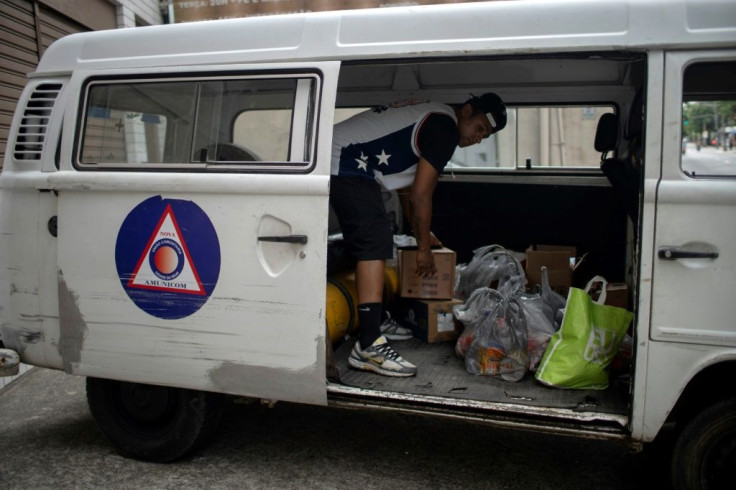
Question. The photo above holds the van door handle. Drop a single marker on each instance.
(673, 253)
(284, 239)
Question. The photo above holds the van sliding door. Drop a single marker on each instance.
(192, 229)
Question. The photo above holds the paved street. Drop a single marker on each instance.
(709, 161)
(49, 440)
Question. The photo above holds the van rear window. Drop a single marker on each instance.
(543, 137)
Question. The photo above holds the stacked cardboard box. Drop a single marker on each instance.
(617, 294)
(439, 286)
(430, 319)
(426, 303)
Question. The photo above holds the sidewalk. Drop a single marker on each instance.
(6, 380)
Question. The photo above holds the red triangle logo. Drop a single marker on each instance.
(165, 264)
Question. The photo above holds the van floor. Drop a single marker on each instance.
(441, 373)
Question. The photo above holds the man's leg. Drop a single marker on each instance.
(369, 277)
(368, 234)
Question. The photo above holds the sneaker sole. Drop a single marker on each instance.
(367, 366)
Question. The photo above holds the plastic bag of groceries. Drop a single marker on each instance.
(483, 300)
(552, 298)
(494, 342)
(467, 312)
(540, 326)
(541, 310)
(490, 266)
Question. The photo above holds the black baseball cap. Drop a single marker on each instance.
(492, 106)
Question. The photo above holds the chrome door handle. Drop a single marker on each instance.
(284, 239)
(674, 253)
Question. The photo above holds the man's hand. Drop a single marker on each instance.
(425, 264)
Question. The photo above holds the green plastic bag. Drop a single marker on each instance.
(580, 352)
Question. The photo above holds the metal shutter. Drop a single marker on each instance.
(21, 21)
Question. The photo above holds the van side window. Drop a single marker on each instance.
(709, 119)
(124, 125)
(547, 137)
(218, 124)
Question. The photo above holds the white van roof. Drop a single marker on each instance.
(500, 27)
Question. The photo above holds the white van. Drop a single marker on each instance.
(212, 141)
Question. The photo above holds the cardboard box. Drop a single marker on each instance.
(617, 294)
(430, 320)
(439, 286)
(557, 260)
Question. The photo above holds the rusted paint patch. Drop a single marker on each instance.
(72, 327)
(267, 382)
(273, 383)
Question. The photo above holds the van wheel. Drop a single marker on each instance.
(153, 423)
(704, 456)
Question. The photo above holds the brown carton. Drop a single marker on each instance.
(439, 286)
(430, 320)
(617, 294)
(557, 260)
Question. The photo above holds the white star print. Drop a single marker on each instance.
(383, 158)
(362, 162)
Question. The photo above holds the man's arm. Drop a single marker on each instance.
(420, 201)
(409, 214)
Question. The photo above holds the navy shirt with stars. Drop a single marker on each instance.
(386, 143)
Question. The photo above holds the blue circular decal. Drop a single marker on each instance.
(168, 257)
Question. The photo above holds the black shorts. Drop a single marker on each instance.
(366, 228)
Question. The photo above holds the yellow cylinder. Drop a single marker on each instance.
(342, 307)
(342, 300)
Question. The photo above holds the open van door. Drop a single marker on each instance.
(192, 228)
(693, 332)
(696, 205)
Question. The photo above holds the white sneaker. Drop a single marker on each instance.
(380, 358)
(393, 331)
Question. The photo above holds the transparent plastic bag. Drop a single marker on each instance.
(489, 266)
(482, 302)
(494, 342)
(552, 298)
(540, 322)
(541, 311)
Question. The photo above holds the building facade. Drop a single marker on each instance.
(30, 26)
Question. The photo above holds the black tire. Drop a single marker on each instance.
(153, 423)
(704, 456)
